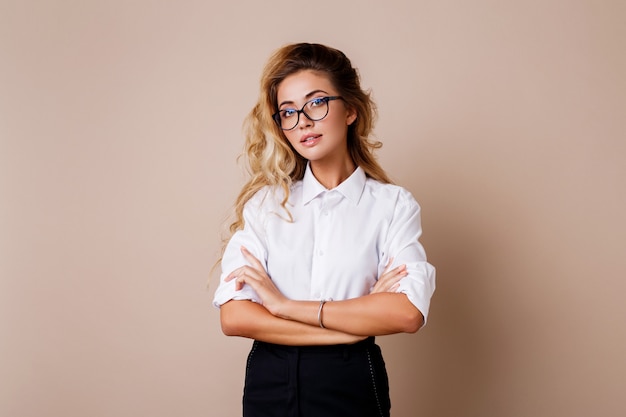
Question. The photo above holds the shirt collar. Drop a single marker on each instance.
(351, 188)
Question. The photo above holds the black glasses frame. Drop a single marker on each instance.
(276, 116)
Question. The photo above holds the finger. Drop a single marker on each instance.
(241, 281)
(394, 273)
(246, 278)
(251, 258)
(233, 275)
(390, 280)
(389, 262)
(396, 270)
(401, 270)
(244, 269)
(237, 272)
(241, 277)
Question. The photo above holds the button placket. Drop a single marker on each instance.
(323, 232)
(317, 280)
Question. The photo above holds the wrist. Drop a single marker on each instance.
(301, 311)
(284, 309)
(320, 314)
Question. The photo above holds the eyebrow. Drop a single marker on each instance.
(308, 96)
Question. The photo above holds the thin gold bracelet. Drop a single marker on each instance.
(319, 314)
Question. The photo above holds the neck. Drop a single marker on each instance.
(331, 175)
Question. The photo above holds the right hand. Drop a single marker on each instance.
(256, 277)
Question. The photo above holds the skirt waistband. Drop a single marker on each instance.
(363, 344)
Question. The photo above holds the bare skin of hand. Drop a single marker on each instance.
(255, 276)
(389, 281)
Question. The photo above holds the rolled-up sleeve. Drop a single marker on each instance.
(252, 237)
(403, 245)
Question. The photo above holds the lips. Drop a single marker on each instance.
(310, 139)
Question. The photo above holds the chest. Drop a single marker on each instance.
(329, 244)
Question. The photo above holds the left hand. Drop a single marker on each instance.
(389, 281)
(255, 276)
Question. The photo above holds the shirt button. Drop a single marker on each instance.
(321, 253)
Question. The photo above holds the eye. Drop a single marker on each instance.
(287, 113)
(316, 102)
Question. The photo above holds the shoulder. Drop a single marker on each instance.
(392, 193)
(270, 197)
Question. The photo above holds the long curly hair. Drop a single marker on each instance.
(271, 160)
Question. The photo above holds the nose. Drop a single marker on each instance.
(304, 121)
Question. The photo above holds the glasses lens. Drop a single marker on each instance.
(288, 119)
(317, 108)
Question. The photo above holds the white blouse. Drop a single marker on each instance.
(337, 245)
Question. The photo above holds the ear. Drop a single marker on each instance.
(351, 117)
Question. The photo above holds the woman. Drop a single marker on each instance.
(324, 252)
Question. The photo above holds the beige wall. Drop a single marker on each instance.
(119, 129)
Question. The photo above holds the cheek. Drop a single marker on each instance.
(339, 120)
(338, 125)
(291, 137)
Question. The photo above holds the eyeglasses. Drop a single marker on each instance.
(315, 110)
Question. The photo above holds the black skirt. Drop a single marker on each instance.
(316, 381)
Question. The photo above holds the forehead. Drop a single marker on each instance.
(297, 86)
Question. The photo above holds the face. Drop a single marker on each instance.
(322, 141)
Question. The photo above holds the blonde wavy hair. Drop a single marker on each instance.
(270, 158)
